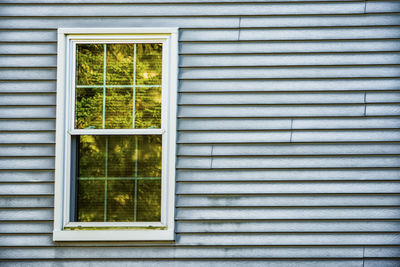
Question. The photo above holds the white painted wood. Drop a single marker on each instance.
(26, 176)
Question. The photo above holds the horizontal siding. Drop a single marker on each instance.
(288, 140)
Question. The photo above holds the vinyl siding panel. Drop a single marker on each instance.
(287, 143)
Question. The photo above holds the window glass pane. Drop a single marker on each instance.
(118, 108)
(89, 108)
(90, 66)
(131, 96)
(119, 178)
(148, 107)
(149, 64)
(120, 61)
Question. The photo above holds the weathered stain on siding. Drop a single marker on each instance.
(288, 132)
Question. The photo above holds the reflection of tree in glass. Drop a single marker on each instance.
(122, 159)
(119, 64)
(149, 64)
(119, 71)
(89, 108)
(119, 108)
(90, 61)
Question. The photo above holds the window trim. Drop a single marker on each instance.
(137, 231)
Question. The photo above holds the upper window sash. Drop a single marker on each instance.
(74, 40)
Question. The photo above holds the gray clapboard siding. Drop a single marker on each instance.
(181, 252)
(231, 111)
(288, 174)
(27, 49)
(27, 137)
(277, 149)
(382, 110)
(28, 61)
(20, 86)
(184, 22)
(375, 6)
(205, 263)
(28, 36)
(286, 200)
(26, 150)
(288, 162)
(33, 201)
(346, 136)
(276, 98)
(27, 188)
(287, 136)
(346, 123)
(276, 226)
(234, 85)
(290, 239)
(272, 73)
(27, 99)
(26, 228)
(26, 176)
(289, 46)
(318, 33)
(183, 9)
(27, 125)
(253, 60)
(24, 163)
(28, 74)
(382, 97)
(309, 187)
(202, 124)
(28, 112)
(202, 22)
(30, 214)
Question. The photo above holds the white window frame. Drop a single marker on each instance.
(64, 229)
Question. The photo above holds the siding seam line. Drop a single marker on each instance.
(291, 130)
(365, 12)
(365, 103)
(212, 152)
(363, 256)
(240, 22)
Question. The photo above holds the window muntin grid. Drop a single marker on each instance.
(144, 80)
(139, 87)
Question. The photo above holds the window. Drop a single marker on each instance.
(116, 124)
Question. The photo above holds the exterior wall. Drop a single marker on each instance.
(287, 132)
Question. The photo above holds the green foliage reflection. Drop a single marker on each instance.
(130, 66)
(119, 178)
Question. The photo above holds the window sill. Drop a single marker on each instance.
(115, 235)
